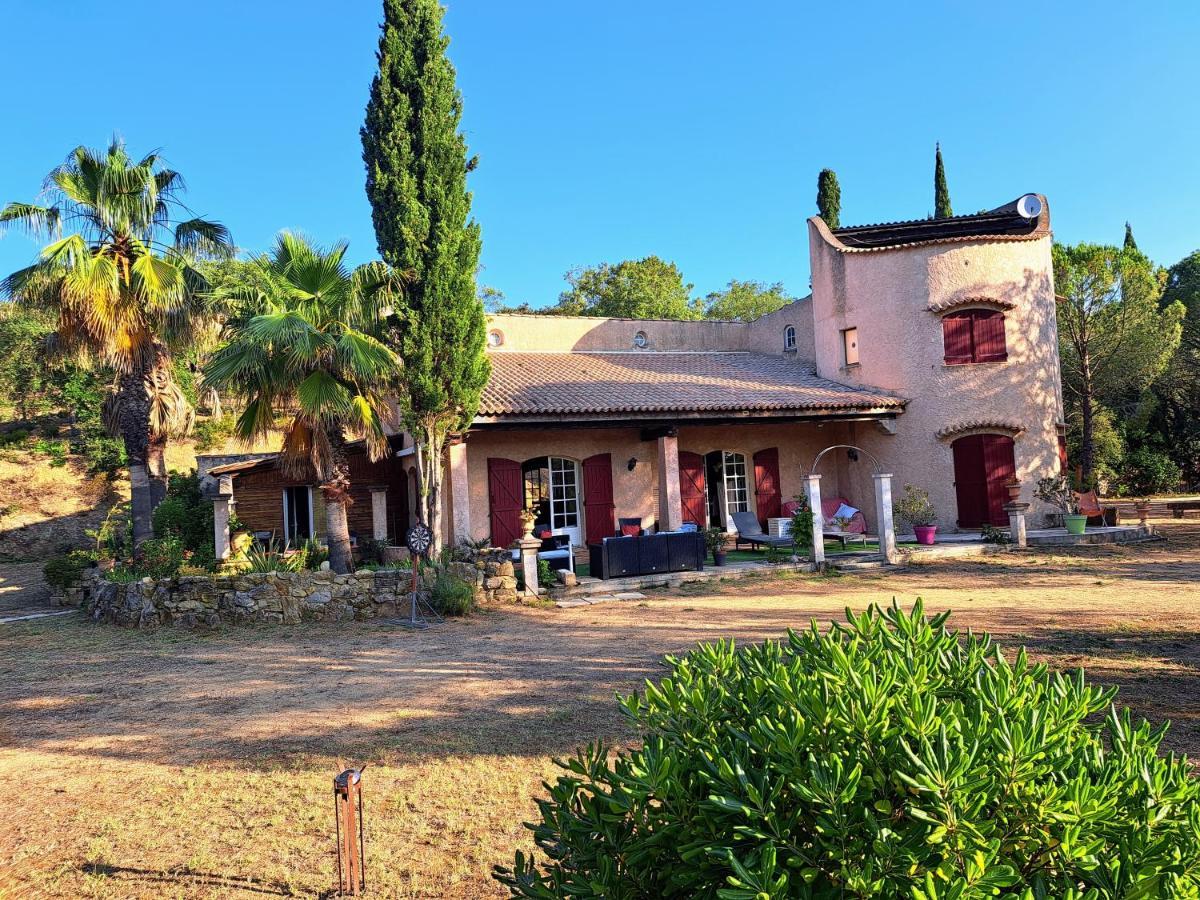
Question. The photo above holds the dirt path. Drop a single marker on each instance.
(24, 593)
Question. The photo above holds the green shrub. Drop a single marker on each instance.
(65, 571)
(187, 515)
(888, 757)
(1147, 471)
(451, 596)
(211, 433)
(159, 557)
(802, 525)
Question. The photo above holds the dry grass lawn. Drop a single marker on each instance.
(198, 765)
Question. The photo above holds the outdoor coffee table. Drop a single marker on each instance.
(846, 537)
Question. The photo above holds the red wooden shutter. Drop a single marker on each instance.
(956, 335)
(990, 345)
(999, 466)
(766, 484)
(598, 498)
(1063, 462)
(691, 487)
(505, 500)
(970, 481)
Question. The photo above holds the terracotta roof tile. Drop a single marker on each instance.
(570, 385)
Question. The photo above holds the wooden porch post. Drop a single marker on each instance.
(670, 507)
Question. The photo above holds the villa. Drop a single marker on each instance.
(927, 349)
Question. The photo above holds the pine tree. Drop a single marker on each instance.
(417, 165)
(829, 198)
(941, 191)
(1130, 243)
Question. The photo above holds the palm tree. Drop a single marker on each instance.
(126, 291)
(312, 354)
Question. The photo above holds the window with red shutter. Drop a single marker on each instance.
(956, 334)
(988, 328)
(974, 336)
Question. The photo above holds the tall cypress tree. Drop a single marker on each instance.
(941, 191)
(1130, 243)
(829, 198)
(417, 165)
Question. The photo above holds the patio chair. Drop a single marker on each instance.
(1089, 505)
(749, 531)
(625, 525)
(556, 549)
(830, 506)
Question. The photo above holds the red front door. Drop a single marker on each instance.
(982, 464)
(766, 485)
(691, 487)
(598, 506)
(505, 490)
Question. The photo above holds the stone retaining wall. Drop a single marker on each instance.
(276, 597)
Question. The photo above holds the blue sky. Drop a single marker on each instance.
(619, 129)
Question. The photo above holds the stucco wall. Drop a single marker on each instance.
(635, 493)
(563, 333)
(887, 296)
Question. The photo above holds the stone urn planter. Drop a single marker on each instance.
(1076, 524)
(240, 542)
(1013, 487)
(926, 534)
(1142, 508)
(527, 522)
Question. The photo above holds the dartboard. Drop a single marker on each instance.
(419, 539)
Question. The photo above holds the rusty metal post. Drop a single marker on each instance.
(348, 822)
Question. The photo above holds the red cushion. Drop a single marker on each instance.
(544, 533)
(631, 530)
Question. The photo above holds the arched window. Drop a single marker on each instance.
(789, 338)
(974, 336)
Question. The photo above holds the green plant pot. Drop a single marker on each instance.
(1075, 524)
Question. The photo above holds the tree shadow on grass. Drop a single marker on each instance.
(183, 877)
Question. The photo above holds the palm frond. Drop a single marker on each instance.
(204, 238)
(33, 219)
(323, 398)
(365, 358)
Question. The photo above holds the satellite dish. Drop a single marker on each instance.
(1029, 206)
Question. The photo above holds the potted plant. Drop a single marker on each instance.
(714, 540)
(528, 519)
(915, 511)
(240, 538)
(1056, 491)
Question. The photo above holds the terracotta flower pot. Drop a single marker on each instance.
(925, 534)
(1014, 491)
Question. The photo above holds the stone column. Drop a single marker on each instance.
(883, 515)
(1016, 523)
(670, 507)
(379, 520)
(812, 484)
(221, 504)
(460, 492)
(529, 563)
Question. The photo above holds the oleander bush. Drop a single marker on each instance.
(888, 757)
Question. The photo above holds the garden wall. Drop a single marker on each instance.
(276, 597)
